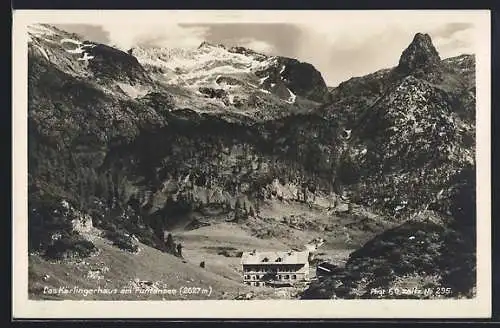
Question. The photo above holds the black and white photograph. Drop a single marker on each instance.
(253, 156)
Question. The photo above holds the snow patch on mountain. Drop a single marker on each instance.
(79, 46)
(292, 98)
(262, 80)
(185, 61)
(133, 91)
(195, 68)
(246, 80)
(40, 30)
(43, 52)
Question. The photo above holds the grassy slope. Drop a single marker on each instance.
(149, 264)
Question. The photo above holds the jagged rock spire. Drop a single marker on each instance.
(208, 44)
(419, 55)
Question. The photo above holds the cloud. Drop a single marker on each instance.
(264, 36)
(91, 32)
(353, 30)
(257, 45)
(450, 29)
(453, 41)
(125, 36)
(348, 47)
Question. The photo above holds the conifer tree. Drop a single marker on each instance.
(237, 209)
(170, 244)
(179, 250)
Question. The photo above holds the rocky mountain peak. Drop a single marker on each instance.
(419, 55)
(248, 52)
(206, 44)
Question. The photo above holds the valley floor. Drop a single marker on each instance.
(153, 275)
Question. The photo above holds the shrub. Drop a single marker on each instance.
(170, 245)
(179, 250)
(121, 241)
(70, 245)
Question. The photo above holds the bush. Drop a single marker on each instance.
(121, 241)
(170, 246)
(70, 246)
(84, 248)
(43, 222)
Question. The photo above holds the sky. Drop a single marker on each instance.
(340, 47)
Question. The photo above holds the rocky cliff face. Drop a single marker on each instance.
(138, 139)
(299, 78)
(115, 65)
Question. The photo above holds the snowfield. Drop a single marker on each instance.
(205, 66)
